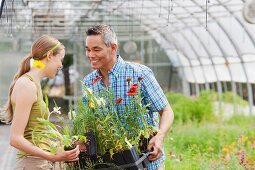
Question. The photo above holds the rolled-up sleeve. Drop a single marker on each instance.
(153, 93)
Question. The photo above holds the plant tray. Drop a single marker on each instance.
(140, 164)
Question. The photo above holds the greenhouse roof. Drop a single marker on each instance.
(210, 40)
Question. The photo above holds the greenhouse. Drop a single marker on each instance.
(194, 48)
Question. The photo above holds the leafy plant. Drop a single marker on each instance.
(230, 97)
(100, 113)
(191, 108)
(97, 117)
(60, 137)
(227, 144)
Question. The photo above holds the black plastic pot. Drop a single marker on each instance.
(90, 154)
(127, 160)
(118, 158)
(91, 145)
(107, 157)
(83, 159)
(101, 166)
(131, 155)
(134, 161)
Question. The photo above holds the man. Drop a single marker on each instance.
(112, 71)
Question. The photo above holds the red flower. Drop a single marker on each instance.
(118, 101)
(140, 79)
(135, 85)
(96, 80)
(133, 89)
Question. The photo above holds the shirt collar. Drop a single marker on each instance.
(116, 67)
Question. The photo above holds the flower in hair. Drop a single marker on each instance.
(37, 63)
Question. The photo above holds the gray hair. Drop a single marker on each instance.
(109, 36)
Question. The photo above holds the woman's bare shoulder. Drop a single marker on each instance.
(25, 83)
(24, 87)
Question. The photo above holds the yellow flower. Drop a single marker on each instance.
(250, 161)
(38, 64)
(91, 105)
(225, 149)
(243, 139)
(232, 146)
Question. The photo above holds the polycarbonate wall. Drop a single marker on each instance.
(198, 44)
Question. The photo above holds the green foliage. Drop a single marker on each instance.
(191, 108)
(47, 130)
(199, 143)
(100, 113)
(227, 97)
(203, 107)
(199, 108)
(211, 145)
(241, 120)
(84, 120)
(230, 97)
(96, 118)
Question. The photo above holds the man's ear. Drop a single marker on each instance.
(114, 47)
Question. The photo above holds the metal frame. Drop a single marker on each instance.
(139, 18)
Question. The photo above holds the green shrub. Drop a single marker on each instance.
(211, 145)
(242, 121)
(191, 108)
(230, 97)
(181, 106)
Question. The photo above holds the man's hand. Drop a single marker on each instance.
(155, 147)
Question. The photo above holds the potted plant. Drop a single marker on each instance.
(95, 119)
(59, 134)
(124, 143)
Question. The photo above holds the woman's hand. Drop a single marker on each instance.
(82, 146)
(69, 156)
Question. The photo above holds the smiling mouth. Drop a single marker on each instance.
(94, 62)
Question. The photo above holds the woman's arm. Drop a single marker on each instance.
(24, 95)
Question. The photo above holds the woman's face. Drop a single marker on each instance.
(55, 63)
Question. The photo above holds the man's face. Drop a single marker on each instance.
(100, 56)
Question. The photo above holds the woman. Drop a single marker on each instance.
(25, 105)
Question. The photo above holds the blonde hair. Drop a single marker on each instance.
(39, 48)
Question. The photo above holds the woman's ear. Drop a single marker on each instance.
(49, 55)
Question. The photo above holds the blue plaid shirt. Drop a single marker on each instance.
(150, 90)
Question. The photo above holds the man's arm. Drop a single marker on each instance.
(156, 143)
(166, 120)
